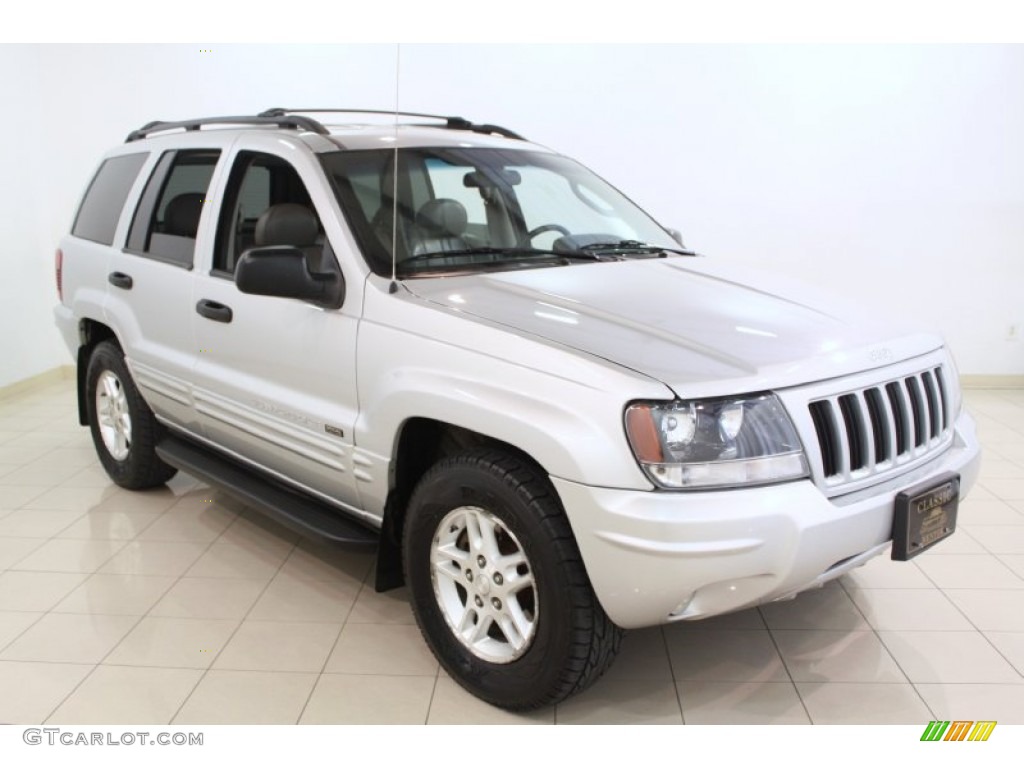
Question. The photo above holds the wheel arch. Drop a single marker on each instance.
(90, 333)
(419, 444)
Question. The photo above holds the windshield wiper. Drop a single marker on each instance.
(623, 247)
(515, 253)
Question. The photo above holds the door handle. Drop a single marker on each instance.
(214, 310)
(120, 280)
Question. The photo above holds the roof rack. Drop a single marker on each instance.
(451, 122)
(281, 120)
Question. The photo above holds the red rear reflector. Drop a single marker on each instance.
(58, 268)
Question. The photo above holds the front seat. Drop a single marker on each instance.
(291, 224)
(440, 225)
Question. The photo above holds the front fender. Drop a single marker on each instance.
(560, 407)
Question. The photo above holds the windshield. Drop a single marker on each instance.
(465, 209)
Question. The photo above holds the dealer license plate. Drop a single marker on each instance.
(925, 515)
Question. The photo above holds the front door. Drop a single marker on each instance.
(275, 377)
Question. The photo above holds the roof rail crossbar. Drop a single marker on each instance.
(283, 121)
(450, 121)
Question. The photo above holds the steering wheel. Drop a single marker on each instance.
(541, 230)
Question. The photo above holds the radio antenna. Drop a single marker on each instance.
(394, 179)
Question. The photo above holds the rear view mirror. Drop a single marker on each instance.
(475, 179)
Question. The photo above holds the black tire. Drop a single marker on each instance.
(139, 467)
(571, 642)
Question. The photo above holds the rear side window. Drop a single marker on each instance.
(101, 208)
(166, 221)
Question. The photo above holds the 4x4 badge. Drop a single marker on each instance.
(334, 431)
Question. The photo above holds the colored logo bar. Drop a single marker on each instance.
(958, 730)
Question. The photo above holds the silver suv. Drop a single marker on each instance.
(551, 419)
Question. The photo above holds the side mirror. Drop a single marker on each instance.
(676, 235)
(283, 271)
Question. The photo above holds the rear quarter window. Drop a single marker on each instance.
(101, 207)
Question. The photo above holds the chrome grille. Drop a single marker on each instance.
(873, 430)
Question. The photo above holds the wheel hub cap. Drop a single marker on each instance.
(484, 585)
(115, 422)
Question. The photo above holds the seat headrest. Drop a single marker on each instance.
(181, 216)
(287, 224)
(442, 218)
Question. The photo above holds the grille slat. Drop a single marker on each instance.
(876, 429)
(824, 425)
(901, 422)
(917, 411)
(931, 396)
(943, 398)
(853, 421)
(843, 439)
(880, 420)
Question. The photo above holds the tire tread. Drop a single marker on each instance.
(595, 638)
(143, 468)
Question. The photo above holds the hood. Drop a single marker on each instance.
(697, 325)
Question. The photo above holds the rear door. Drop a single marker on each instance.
(150, 295)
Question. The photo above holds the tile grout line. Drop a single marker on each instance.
(967, 618)
(139, 618)
(227, 642)
(785, 666)
(888, 650)
(433, 693)
(57, 602)
(672, 674)
(334, 645)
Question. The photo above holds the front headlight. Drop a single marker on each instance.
(728, 442)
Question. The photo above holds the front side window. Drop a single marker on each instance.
(166, 222)
(266, 204)
(101, 207)
(444, 210)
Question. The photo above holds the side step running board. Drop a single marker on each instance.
(300, 513)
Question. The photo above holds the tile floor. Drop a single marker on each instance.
(180, 606)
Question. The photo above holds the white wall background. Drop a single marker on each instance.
(892, 173)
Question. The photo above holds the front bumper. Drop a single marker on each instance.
(656, 556)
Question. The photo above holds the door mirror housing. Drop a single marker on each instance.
(283, 271)
(676, 235)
